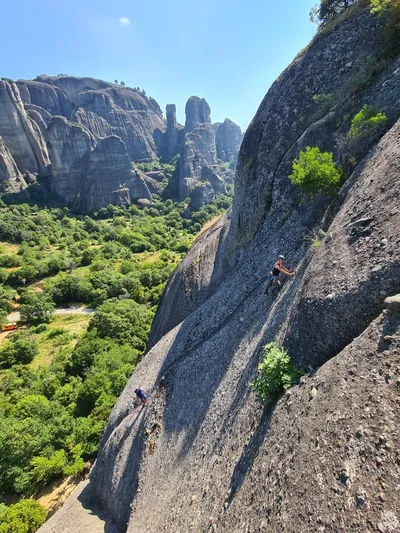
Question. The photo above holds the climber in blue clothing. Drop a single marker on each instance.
(141, 395)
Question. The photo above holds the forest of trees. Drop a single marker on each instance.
(61, 375)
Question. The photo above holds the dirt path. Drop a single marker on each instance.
(15, 316)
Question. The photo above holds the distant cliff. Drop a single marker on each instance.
(38, 124)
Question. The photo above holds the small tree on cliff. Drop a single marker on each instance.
(328, 10)
(315, 172)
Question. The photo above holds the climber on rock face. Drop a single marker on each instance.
(276, 271)
(141, 395)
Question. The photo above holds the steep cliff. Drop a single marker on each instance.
(228, 137)
(11, 180)
(103, 108)
(204, 456)
(22, 136)
(196, 174)
(88, 175)
(110, 178)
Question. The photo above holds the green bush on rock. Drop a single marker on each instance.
(366, 122)
(315, 172)
(276, 373)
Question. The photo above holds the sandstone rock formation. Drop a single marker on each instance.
(203, 456)
(11, 180)
(69, 147)
(198, 157)
(172, 133)
(110, 178)
(21, 135)
(228, 140)
(89, 175)
(297, 463)
(103, 110)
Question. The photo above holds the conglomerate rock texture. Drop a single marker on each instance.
(203, 455)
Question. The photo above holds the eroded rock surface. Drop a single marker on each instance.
(11, 180)
(228, 140)
(89, 175)
(22, 138)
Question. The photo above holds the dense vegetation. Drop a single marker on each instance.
(61, 375)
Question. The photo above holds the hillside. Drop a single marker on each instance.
(205, 455)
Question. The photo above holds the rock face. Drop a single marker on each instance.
(21, 135)
(198, 157)
(69, 147)
(11, 180)
(88, 176)
(204, 456)
(103, 108)
(30, 113)
(110, 178)
(172, 134)
(228, 140)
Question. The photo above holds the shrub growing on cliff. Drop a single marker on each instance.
(328, 10)
(276, 373)
(382, 6)
(315, 172)
(367, 122)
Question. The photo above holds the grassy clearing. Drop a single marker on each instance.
(8, 248)
(74, 327)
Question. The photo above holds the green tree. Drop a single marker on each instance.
(329, 9)
(17, 351)
(36, 307)
(44, 469)
(315, 172)
(276, 373)
(366, 122)
(26, 516)
(382, 6)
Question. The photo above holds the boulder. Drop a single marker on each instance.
(156, 175)
(393, 303)
(154, 186)
(202, 193)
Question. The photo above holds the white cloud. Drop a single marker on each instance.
(124, 21)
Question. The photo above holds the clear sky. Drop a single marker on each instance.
(226, 51)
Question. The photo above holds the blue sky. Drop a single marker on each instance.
(227, 51)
